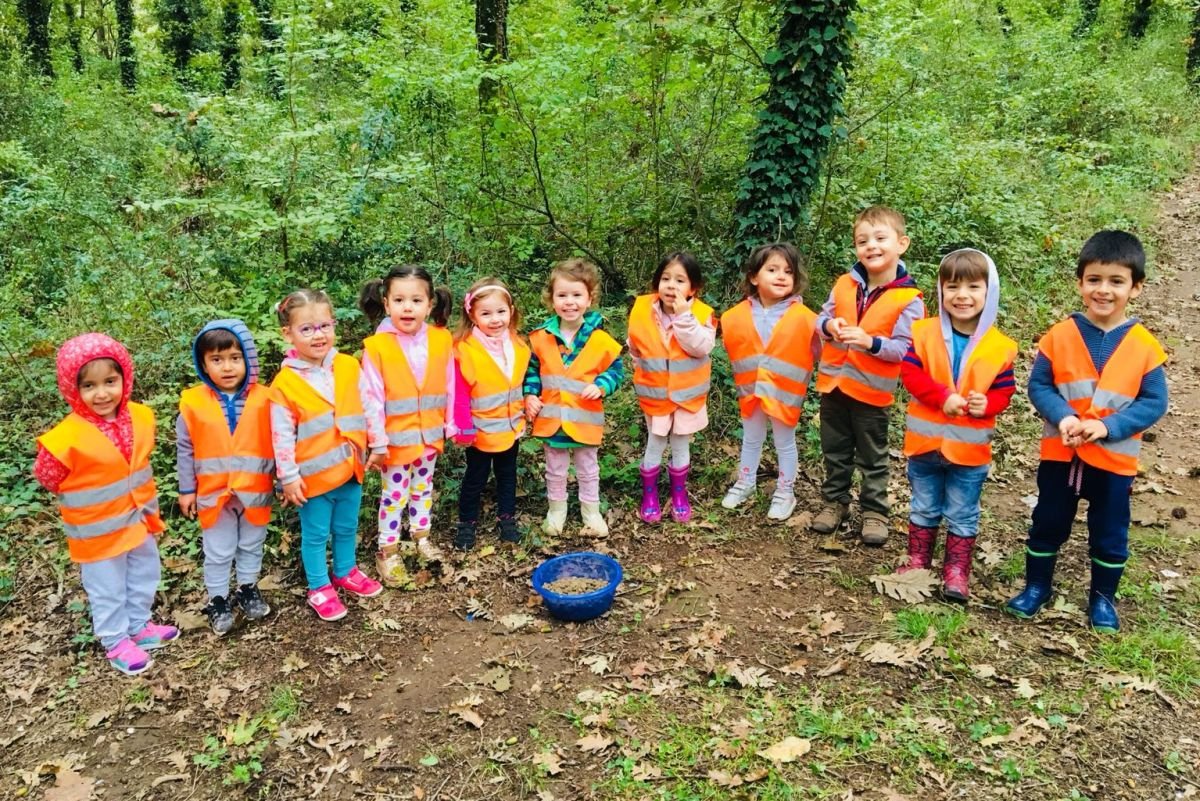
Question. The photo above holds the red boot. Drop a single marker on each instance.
(920, 547)
(956, 568)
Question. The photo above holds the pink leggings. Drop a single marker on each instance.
(587, 471)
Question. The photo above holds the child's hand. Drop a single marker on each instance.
(533, 407)
(674, 304)
(1069, 429)
(591, 392)
(293, 493)
(955, 405)
(1092, 430)
(376, 461)
(854, 335)
(976, 403)
(187, 505)
(466, 440)
(835, 326)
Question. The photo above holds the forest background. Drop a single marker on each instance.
(165, 163)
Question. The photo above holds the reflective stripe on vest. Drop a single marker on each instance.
(774, 375)
(497, 405)
(853, 370)
(78, 499)
(102, 528)
(1094, 397)
(665, 376)
(415, 416)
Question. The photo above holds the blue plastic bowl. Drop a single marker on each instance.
(578, 565)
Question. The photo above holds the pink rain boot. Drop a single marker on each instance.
(650, 512)
(920, 547)
(681, 510)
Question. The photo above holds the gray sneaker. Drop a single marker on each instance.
(738, 494)
(251, 602)
(220, 615)
(783, 503)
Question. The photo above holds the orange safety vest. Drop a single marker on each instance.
(331, 439)
(1094, 397)
(964, 440)
(852, 370)
(497, 405)
(108, 505)
(665, 377)
(774, 376)
(240, 464)
(582, 420)
(415, 415)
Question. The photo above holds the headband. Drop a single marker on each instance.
(470, 296)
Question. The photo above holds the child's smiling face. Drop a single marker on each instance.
(570, 299)
(1106, 288)
(311, 331)
(101, 387)
(879, 247)
(492, 313)
(407, 304)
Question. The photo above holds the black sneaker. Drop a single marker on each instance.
(251, 602)
(508, 530)
(464, 538)
(220, 615)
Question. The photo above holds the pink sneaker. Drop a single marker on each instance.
(326, 603)
(154, 635)
(358, 583)
(128, 658)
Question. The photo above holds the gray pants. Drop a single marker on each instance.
(121, 591)
(854, 434)
(232, 538)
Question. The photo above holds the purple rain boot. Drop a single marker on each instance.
(681, 510)
(650, 512)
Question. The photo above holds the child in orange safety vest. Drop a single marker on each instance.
(97, 461)
(226, 467)
(408, 369)
(322, 438)
(772, 344)
(573, 367)
(959, 372)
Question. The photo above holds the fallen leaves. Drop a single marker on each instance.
(885, 653)
(293, 664)
(464, 710)
(593, 743)
(516, 621)
(548, 761)
(789, 749)
(911, 587)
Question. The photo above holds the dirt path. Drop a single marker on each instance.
(728, 637)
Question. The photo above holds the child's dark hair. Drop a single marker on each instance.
(301, 297)
(580, 270)
(216, 339)
(689, 264)
(113, 363)
(373, 293)
(1114, 247)
(758, 257)
(964, 264)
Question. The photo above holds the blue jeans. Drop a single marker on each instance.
(941, 488)
(333, 513)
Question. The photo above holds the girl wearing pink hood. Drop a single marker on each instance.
(97, 461)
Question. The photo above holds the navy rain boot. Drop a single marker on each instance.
(1039, 578)
(1102, 600)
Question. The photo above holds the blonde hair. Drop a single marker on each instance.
(301, 297)
(580, 270)
(886, 215)
(481, 289)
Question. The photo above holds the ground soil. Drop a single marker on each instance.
(461, 671)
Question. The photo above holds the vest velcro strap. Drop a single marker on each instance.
(78, 499)
(111, 525)
(1108, 400)
(563, 383)
(329, 459)
(950, 431)
(653, 393)
(686, 365)
(238, 464)
(747, 364)
(569, 414)
(497, 426)
(1076, 390)
(352, 422)
(317, 425)
(687, 394)
(650, 365)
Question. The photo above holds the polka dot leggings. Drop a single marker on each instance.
(407, 495)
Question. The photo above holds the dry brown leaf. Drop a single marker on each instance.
(467, 715)
(516, 621)
(293, 663)
(593, 743)
(724, 778)
(984, 671)
(832, 669)
(789, 749)
(833, 544)
(217, 697)
(889, 654)
(70, 786)
(1025, 689)
(646, 772)
(912, 587)
(1024, 733)
(170, 777)
(831, 624)
(548, 761)
(597, 663)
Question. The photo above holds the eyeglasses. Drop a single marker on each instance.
(308, 330)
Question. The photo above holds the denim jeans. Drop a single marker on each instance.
(942, 489)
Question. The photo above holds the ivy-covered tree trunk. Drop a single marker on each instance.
(125, 54)
(177, 21)
(1193, 56)
(1088, 11)
(807, 70)
(36, 14)
(74, 36)
(231, 44)
(491, 39)
(1139, 19)
(270, 31)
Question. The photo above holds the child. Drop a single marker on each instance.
(320, 434)
(772, 344)
(574, 365)
(866, 325)
(97, 460)
(489, 411)
(226, 467)
(1098, 381)
(408, 369)
(959, 373)
(671, 334)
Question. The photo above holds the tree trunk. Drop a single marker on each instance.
(177, 21)
(1088, 11)
(270, 31)
(807, 69)
(74, 37)
(37, 34)
(1139, 20)
(1193, 56)
(491, 39)
(125, 54)
(231, 44)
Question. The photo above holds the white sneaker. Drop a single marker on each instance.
(783, 503)
(593, 521)
(738, 494)
(427, 550)
(556, 518)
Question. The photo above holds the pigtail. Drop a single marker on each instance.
(370, 300)
(443, 301)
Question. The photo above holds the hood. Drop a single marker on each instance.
(78, 351)
(991, 306)
(249, 352)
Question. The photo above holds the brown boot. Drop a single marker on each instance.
(830, 518)
(874, 529)
(390, 564)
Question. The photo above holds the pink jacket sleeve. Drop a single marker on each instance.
(462, 408)
(695, 338)
(48, 471)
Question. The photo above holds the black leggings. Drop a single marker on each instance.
(479, 464)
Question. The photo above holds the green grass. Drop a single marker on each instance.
(913, 622)
(1155, 650)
